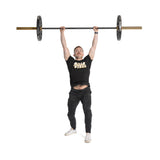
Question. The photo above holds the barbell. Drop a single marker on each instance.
(118, 28)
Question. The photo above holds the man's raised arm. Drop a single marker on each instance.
(94, 43)
(64, 44)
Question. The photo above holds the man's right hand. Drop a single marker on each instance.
(62, 29)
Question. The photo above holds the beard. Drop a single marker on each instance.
(79, 56)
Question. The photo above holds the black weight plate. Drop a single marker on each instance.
(39, 28)
(119, 27)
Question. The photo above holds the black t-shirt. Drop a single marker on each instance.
(79, 71)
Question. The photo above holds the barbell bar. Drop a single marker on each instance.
(118, 28)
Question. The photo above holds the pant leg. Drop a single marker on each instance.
(72, 105)
(86, 101)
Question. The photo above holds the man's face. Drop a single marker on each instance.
(78, 53)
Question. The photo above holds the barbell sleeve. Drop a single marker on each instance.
(26, 28)
(132, 27)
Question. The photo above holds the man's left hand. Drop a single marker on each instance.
(95, 28)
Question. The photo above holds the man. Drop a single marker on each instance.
(79, 70)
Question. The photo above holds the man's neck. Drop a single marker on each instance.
(78, 59)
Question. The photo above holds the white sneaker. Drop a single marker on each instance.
(88, 138)
(70, 132)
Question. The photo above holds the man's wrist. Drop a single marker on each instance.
(95, 32)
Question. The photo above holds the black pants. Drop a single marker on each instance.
(75, 96)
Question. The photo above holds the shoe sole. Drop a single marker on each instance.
(87, 141)
(70, 134)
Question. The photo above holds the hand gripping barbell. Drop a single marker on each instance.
(119, 28)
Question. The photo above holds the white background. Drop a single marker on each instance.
(34, 81)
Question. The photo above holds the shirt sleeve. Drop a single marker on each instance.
(70, 62)
(88, 59)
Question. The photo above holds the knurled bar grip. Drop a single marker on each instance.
(79, 28)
